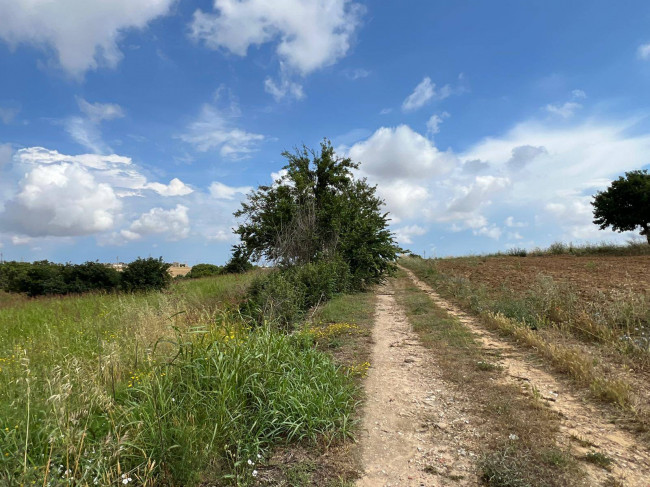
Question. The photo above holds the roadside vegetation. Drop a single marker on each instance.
(633, 247)
(595, 331)
(164, 388)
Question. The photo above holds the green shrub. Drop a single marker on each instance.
(286, 294)
(146, 275)
(204, 270)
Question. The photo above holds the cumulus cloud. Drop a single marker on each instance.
(214, 130)
(61, 200)
(310, 34)
(400, 153)
(59, 195)
(84, 35)
(223, 192)
(174, 223)
(176, 187)
(537, 169)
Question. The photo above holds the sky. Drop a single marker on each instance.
(135, 128)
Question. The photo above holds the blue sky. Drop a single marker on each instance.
(135, 127)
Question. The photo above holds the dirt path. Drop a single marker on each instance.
(583, 427)
(415, 431)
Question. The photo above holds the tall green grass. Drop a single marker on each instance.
(164, 388)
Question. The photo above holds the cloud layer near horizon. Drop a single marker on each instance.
(542, 173)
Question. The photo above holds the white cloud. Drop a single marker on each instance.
(426, 91)
(118, 171)
(310, 34)
(536, 169)
(276, 176)
(61, 200)
(55, 194)
(213, 130)
(176, 187)
(643, 51)
(423, 92)
(175, 223)
(84, 34)
(400, 153)
(565, 111)
(284, 89)
(433, 124)
(97, 112)
(404, 234)
(223, 192)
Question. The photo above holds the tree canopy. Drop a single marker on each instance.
(625, 205)
(319, 210)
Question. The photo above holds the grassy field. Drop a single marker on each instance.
(587, 314)
(163, 388)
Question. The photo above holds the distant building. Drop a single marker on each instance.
(179, 269)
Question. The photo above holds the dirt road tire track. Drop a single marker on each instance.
(415, 432)
(578, 418)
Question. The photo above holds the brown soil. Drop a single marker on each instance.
(589, 275)
(584, 427)
(415, 430)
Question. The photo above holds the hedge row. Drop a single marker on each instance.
(46, 278)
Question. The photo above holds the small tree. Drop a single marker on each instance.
(625, 205)
(318, 211)
(238, 262)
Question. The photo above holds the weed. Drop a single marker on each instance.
(600, 459)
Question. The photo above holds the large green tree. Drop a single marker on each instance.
(625, 205)
(319, 210)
